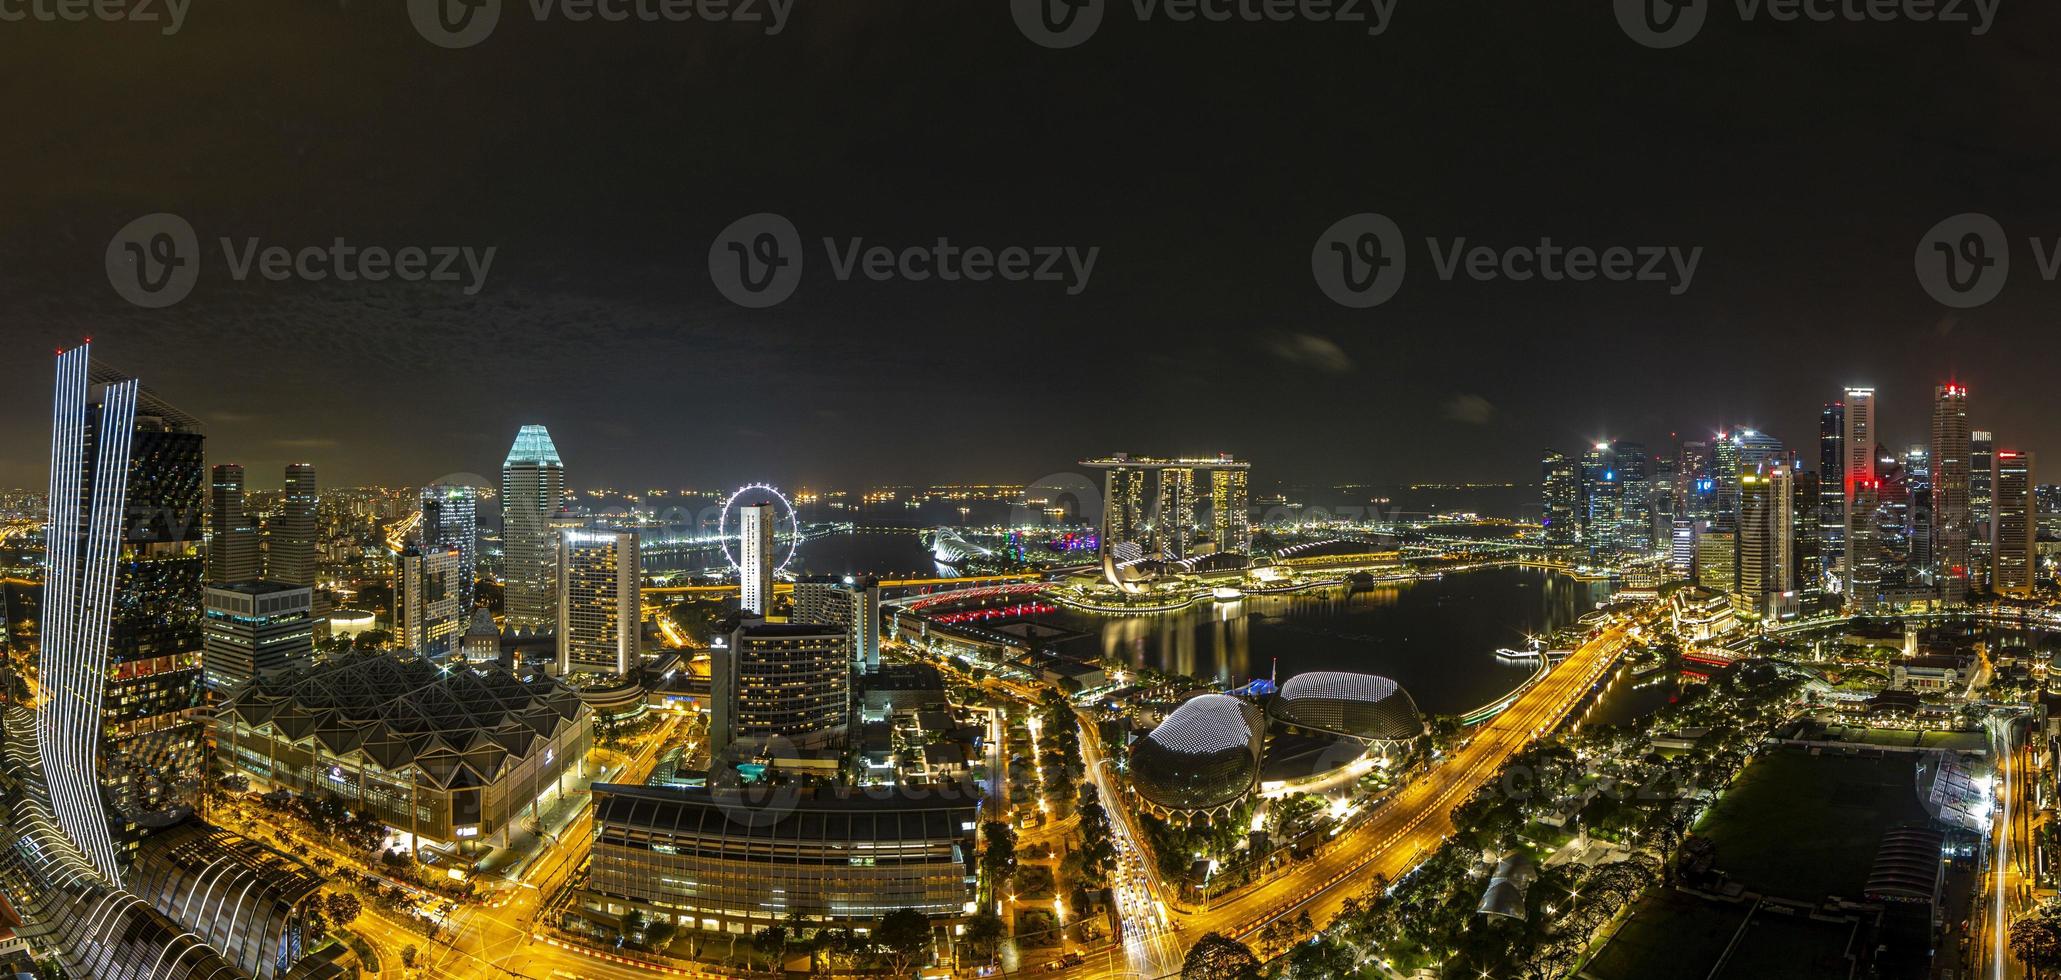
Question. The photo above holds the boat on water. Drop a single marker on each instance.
(1505, 653)
(1228, 593)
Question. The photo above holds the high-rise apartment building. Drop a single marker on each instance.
(256, 630)
(450, 519)
(233, 554)
(2014, 561)
(429, 606)
(849, 603)
(532, 490)
(1952, 485)
(599, 602)
(755, 533)
(290, 536)
(119, 727)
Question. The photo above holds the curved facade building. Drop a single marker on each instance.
(1361, 706)
(1202, 759)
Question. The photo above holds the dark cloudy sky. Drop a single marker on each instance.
(1203, 159)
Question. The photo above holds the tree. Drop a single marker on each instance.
(2036, 940)
(408, 954)
(344, 908)
(771, 943)
(903, 936)
(1219, 957)
(999, 860)
(984, 930)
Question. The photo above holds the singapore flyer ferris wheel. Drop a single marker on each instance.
(784, 523)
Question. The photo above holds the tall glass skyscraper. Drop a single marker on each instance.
(121, 681)
(1952, 520)
(1832, 487)
(232, 535)
(532, 489)
(1561, 489)
(450, 519)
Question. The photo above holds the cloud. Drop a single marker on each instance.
(1471, 409)
(306, 443)
(1313, 352)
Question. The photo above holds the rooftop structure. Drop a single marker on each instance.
(1360, 706)
(1202, 759)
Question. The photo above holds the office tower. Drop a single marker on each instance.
(1173, 520)
(256, 630)
(1561, 488)
(1695, 487)
(482, 640)
(2013, 562)
(599, 609)
(1767, 506)
(1724, 471)
(1916, 515)
(1981, 496)
(1717, 559)
(755, 528)
(1635, 498)
(1757, 450)
(1681, 554)
(1600, 500)
(429, 604)
(1952, 518)
(450, 519)
(1857, 467)
(1807, 575)
(1832, 487)
(1123, 509)
(1230, 513)
(1863, 545)
(848, 603)
(787, 681)
(232, 535)
(120, 675)
(290, 544)
(532, 490)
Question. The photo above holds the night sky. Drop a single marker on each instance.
(1202, 159)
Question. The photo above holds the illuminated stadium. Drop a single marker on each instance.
(1201, 760)
(1360, 706)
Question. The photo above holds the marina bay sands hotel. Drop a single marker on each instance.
(1162, 521)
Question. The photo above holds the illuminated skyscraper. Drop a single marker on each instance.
(1123, 509)
(1857, 451)
(755, 525)
(290, 537)
(1561, 488)
(1173, 520)
(599, 607)
(1766, 537)
(1230, 513)
(532, 489)
(232, 535)
(1981, 496)
(450, 519)
(2014, 559)
(1635, 497)
(428, 602)
(773, 681)
(1601, 508)
(1832, 487)
(1863, 546)
(118, 727)
(1952, 520)
(256, 629)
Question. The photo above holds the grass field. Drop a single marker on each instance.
(1802, 826)
(1668, 935)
